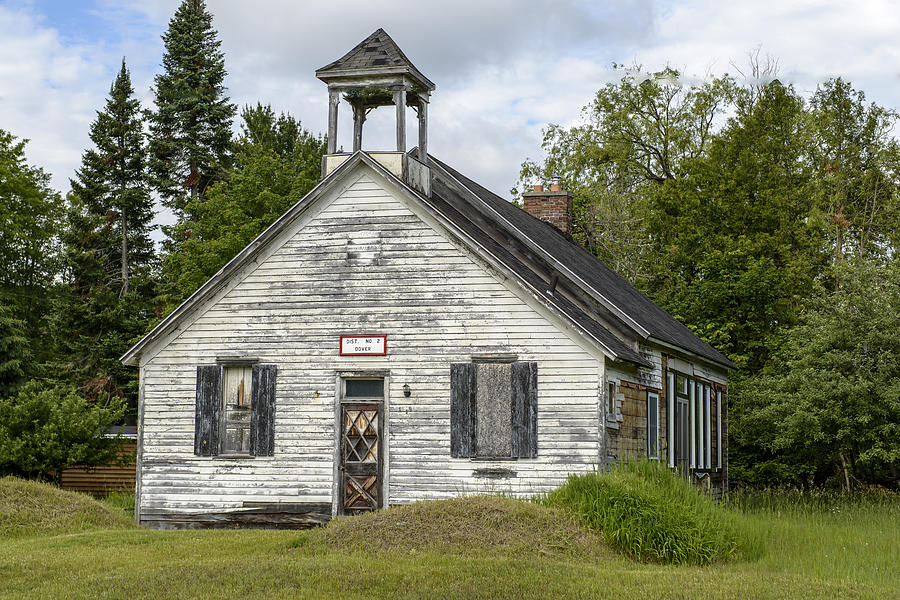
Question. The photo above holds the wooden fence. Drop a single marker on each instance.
(102, 479)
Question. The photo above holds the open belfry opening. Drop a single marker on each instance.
(373, 74)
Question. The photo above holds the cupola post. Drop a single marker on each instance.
(334, 98)
(376, 73)
(400, 103)
(359, 117)
(423, 131)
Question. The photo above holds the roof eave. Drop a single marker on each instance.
(640, 330)
(724, 363)
(335, 75)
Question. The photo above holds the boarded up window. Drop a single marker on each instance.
(235, 410)
(493, 410)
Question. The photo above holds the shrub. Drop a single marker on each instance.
(652, 514)
(43, 431)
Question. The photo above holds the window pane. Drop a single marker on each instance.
(237, 404)
(652, 426)
(364, 388)
(611, 398)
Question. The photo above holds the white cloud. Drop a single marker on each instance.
(48, 92)
(504, 69)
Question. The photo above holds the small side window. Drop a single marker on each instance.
(611, 400)
(652, 425)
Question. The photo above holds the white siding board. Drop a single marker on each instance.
(436, 302)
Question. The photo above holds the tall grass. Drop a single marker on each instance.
(124, 501)
(652, 514)
(838, 536)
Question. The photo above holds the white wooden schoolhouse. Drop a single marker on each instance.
(402, 333)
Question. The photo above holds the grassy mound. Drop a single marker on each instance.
(461, 525)
(652, 514)
(28, 508)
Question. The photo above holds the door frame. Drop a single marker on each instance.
(339, 377)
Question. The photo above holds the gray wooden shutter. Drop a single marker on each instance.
(262, 416)
(524, 410)
(208, 408)
(462, 410)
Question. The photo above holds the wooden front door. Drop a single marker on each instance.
(361, 426)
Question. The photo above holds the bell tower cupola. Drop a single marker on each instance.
(373, 74)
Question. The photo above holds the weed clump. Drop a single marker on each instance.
(647, 511)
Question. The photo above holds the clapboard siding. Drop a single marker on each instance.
(367, 262)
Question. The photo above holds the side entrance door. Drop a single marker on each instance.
(361, 425)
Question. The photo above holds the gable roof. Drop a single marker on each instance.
(488, 223)
(377, 54)
(591, 329)
(591, 274)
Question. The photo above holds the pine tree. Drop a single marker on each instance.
(190, 131)
(276, 163)
(105, 302)
(112, 185)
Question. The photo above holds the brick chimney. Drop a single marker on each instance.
(554, 207)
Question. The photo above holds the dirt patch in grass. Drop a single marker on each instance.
(29, 508)
(464, 525)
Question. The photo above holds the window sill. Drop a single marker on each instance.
(238, 456)
(610, 424)
(492, 458)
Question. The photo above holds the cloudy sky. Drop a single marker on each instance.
(504, 69)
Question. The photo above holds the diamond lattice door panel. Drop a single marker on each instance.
(360, 493)
(360, 457)
(360, 435)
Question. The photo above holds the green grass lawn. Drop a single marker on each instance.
(465, 548)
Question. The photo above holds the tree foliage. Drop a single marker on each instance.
(111, 189)
(29, 227)
(829, 401)
(104, 301)
(731, 242)
(857, 163)
(637, 134)
(45, 429)
(276, 163)
(30, 216)
(730, 205)
(14, 350)
(190, 130)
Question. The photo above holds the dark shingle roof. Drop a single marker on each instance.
(617, 293)
(377, 53)
(446, 200)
